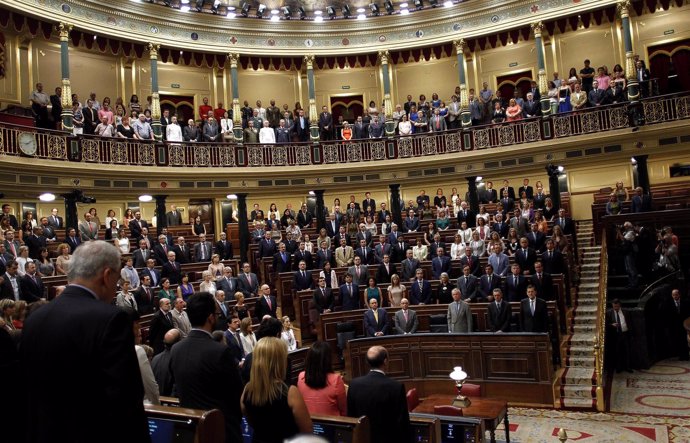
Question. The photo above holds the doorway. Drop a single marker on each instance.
(179, 105)
(350, 107)
(507, 84)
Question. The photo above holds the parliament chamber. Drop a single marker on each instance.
(260, 126)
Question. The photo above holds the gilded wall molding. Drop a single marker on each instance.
(216, 34)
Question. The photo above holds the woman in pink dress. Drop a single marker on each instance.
(513, 111)
(322, 389)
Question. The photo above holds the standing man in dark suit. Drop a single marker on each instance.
(406, 321)
(174, 217)
(322, 302)
(325, 124)
(140, 256)
(267, 304)
(500, 313)
(526, 257)
(232, 338)
(282, 261)
(364, 252)
(203, 250)
(144, 296)
(408, 267)
(381, 249)
(324, 255)
(542, 282)
(675, 310)
(533, 314)
(182, 251)
(566, 223)
(332, 226)
(301, 127)
(153, 273)
(6, 211)
(506, 187)
(515, 286)
(171, 270)
(467, 215)
(440, 264)
(136, 225)
(487, 283)
(205, 372)
(375, 320)
(224, 247)
(160, 251)
(385, 270)
(161, 323)
(88, 344)
(10, 286)
(527, 189)
(399, 250)
(552, 259)
(248, 282)
(467, 283)
(618, 331)
(72, 239)
(54, 220)
(31, 285)
(90, 118)
(472, 261)
(302, 278)
(227, 283)
(381, 399)
(536, 239)
(35, 242)
(302, 255)
(420, 290)
(349, 294)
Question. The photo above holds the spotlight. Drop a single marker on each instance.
(214, 7)
(389, 6)
(302, 13)
(245, 9)
(331, 12)
(553, 170)
(374, 8)
(346, 11)
(260, 10)
(433, 3)
(286, 12)
(199, 5)
(419, 4)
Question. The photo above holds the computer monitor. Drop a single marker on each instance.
(164, 430)
(333, 429)
(458, 429)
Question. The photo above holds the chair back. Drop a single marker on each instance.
(412, 399)
(471, 390)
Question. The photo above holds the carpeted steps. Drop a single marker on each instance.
(578, 379)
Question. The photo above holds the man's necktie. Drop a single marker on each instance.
(618, 322)
(268, 301)
(531, 306)
(498, 306)
(249, 279)
(376, 315)
(405, 315)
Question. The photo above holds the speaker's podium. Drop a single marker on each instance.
(181, 425)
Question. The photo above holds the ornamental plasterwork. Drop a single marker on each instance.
(173, 28)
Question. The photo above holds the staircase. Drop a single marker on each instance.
(578, 378)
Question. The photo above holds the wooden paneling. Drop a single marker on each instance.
(515, 367)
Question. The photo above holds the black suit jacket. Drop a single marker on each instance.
(246, 288)
(134, 228)
(224, 251)
(89, 346)
(6, 290)
(282, 266)
(35, 243)
(31, 290)
(298, 256)
(526, 261)
(566, 224)
(207, 377)
(139, 259)
(160, 255)
(182, 257)
(383, 401)
(555, 264)
(333, 231)
(468, 216)
(499, 320)
(537, 323)
(144, 301)
(150, 273)
(261, 308)
(73, 242)
(544, 287)
(160, 324)
(528, 190)
(300, 283)
(172, 272)
(383, 276)
(513, 292)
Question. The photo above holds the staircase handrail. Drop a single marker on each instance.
(599, 338)
(652, 286)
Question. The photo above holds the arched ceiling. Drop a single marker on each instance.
(170, 26)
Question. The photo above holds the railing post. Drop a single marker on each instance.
(155, 98)
(66, 92)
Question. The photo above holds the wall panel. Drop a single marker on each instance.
(267, 85)
(440, 76)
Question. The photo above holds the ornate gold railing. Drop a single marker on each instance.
(53, 145)
(599, 338)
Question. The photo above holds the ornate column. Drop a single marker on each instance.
(320, 213)
(630, 74)
(155, 98)
(313, 114)
(465, 116)
(538, 28)
(384, 56)
(66, 97)
(472, 195)
(396, 214)
(234, 58)
(243, 225)
(161, 221)
(642, 172)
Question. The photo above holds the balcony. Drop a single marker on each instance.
(53, 145)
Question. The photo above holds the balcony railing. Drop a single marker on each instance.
(56, 145)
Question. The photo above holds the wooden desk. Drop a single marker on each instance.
(493, 412)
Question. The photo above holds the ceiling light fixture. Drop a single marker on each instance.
(405, 11)
(361, 17)
(184, 8)
(361, 10)
(231, 196)
(318, 19)
(145, 198)
(448, 3)
(46, 197)
(275, 18)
